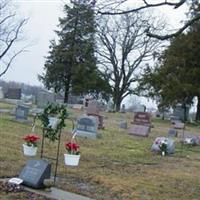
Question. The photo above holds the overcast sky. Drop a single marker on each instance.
(43, 19)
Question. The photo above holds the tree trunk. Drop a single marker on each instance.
(198, 109)
(66, 94)
(117, 103)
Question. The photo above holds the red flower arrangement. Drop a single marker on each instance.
(72, 148)
(31, 140)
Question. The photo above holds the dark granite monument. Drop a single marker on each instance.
(13, 93)
(141, 124)
(34, 173)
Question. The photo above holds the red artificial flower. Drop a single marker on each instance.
(31, 138)
(72, 147)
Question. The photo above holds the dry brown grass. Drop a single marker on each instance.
(117, 166)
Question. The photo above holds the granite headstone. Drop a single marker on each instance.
(44, 97)
(34, 173)
(172, 132)
(13, 93)
(21, 112)
(87, 127)
(139, 130)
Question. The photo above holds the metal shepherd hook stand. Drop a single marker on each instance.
(56, 159)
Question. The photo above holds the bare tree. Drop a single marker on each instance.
(124, 48)
(10, 31)
(118, 9)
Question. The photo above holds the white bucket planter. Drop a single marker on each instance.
(29, 150)
(72, 160)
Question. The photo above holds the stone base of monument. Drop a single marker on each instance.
(139, 130)
(86, 134)
(179, 125)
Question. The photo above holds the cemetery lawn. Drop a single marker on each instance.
(116, 166)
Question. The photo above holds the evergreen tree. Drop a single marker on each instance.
(176, 78)
(71, 64)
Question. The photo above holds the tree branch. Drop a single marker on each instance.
(164, 37)
(147, 5)
(13, 39)
(10, 61)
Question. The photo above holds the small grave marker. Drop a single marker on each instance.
(123, 124)
(123, 109)
(170, 144)
(172, 132)
(34, 173)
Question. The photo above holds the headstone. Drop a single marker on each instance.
(180, 112)
(110, 106)
(93, 110)
(190, 139)
(174, 119)
(142, 118)
(1, 93)
(87, 127)
(123, 124)
(21, 113)
(123, 109)
(139, 130)
(34, 173)
(99, 119)
(13, 93)
(170, 144)
(44, 97)
(172, 132)
(93, 107)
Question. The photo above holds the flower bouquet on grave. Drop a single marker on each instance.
(30, 146)
(72, 156)
(163, 147)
